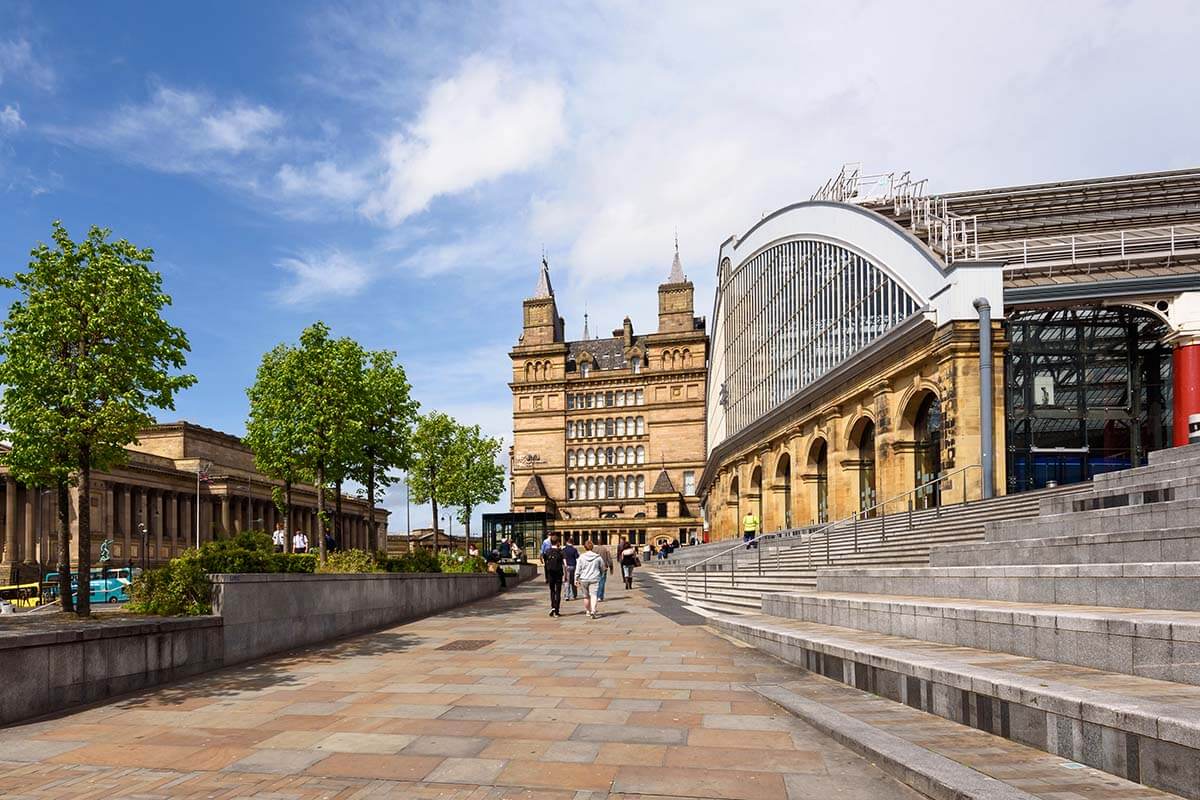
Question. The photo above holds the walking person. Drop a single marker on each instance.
(299, 543)
(750, 530)
(279, 537)
(552, 565)
(606, 556)
(588, 570)
(628, 556)
(571, 557)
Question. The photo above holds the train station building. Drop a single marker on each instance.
(847, 371)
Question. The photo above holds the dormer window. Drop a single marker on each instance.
(585, 369)
(635, 364)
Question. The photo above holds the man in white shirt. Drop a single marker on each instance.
(299, 543)
(279, 537)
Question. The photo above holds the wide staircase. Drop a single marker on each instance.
(733, 579)
(1075, 632)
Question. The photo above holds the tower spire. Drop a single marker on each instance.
(586, 335)
(543, 288)
(676, 275)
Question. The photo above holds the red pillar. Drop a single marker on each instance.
(1186, 369)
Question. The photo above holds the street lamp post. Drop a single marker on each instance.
(144, 534)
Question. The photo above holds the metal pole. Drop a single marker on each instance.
(986, 393)
(197, 507)
(856, 532)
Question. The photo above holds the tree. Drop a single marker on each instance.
(273, 428)
(87, 354)
(478, 478)
(329, 410)
(431, 469)
(387, 430)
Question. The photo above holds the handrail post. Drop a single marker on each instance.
(687, 595)
(758, 553)
(883, 522)
(828, 560)
(910, 506)
(856, 531)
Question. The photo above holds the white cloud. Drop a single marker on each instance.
(185, 131)
(319, 276)
(487, 121)
(17, 61)
(10, 119)
(322, 179)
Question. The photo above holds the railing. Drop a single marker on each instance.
(807, 536)
(956, 236)
(1078, 248)
(850, 185)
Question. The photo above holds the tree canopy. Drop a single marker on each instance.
(86, 356)
(431, 469)
(477, 476)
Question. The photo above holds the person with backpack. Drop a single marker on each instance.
(570, 556)
(552, 565)
(588, 570)
(627, 555)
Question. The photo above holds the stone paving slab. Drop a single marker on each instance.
(632, 706)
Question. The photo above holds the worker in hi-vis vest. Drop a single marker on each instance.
(749, 530)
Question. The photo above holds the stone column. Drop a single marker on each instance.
(10, 522)
(187, 536)
(171, 523)
(159, 520)
(225, 510)
(29, 553)
(127, 522)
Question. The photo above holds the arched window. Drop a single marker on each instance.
(570, 488)
(629, 455)
(641, 425)
(585, 369)
(635, 364)
(630, 486)
(608, 456)
(609, 488)
(630, 429)
(620, 426)
(641, 485)
(570, 458)
(687, 358)
(641, 454)
(620, 455)
(591, 429)
(591, 457)
(641, 397)
(600, 489)
(620, 486)
(610, 428)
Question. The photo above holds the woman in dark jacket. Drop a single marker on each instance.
(628, 559)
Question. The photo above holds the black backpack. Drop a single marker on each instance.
(552, 560)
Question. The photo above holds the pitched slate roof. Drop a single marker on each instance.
(663, 485)
(535, 488)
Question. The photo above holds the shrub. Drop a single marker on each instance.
(416, 561)
(294, 562)
(459, 561)
(349, 561)
(180, 587)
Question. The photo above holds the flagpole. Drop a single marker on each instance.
(197, 506)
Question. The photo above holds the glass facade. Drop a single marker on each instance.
(794, 312)
(1088, 391)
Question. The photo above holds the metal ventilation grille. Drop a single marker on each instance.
(466, 644)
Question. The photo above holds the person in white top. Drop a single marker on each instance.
(587, 575)
(279, 538)
(299, 543)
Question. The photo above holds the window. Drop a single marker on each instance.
(620, 455)
(570, 430)
(620, 426)
(585, 369)
(620, 486)
(629, 397)
(641, 485)
(590, 398)
(630, 429)
(689, 482)
(570, 401)
(641, 456)
(570, 458)
(635, 364)
(599, 400)
(571, 489)
(609, 457)
(600, 490)
(629, 455)
(641, 397)
(620, 398)
(641, 425)
(608, 398)
(609, 488)
(610, 428)
(661, 508)
(630, 486)
(591, 457)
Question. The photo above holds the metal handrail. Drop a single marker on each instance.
(807, 535)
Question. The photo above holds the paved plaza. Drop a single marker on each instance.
(496, 700)
(493, 700)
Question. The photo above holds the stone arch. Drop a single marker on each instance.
(783, 490)
(817, 474)
(921, 427)
(861, 444)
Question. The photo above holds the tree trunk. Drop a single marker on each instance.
(433, 502)
(372, 533)
(287, 514)
(337, 517)
(467, 517)
(64, 547)
(83, 607)
(321, 510)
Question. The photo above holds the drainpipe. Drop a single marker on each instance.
(987, 396)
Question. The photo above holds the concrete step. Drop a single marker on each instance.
(1164, 584)
(1164, 544)
(1152, 644)
(1167, 514)
(1128, 494)
(1170, 455)
(1141, 729)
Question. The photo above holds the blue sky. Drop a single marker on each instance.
(397, 169)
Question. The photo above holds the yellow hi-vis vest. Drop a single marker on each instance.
(750, 523)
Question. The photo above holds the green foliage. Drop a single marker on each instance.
(478, 478)
(349, 561)
(179, 588)
(459, 561)
(416, 561)
(294, 562)
(86, 355)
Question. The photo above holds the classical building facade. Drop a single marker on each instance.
(608, 432)
(848, 372)
(158, 488)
